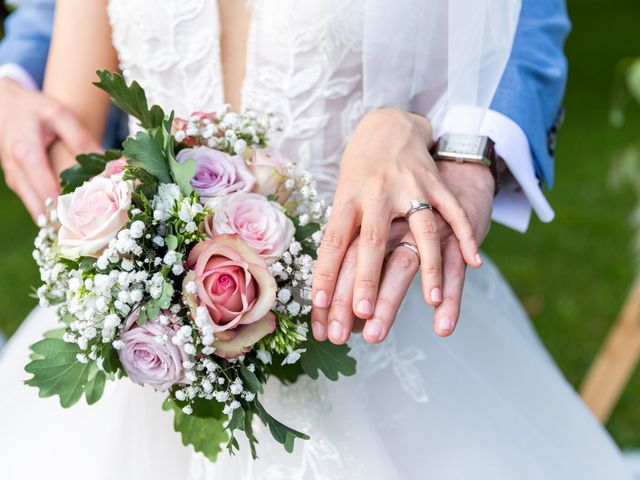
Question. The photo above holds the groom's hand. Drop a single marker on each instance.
(30, 123)
(473, 186)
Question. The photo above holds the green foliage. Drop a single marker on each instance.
(131, 99)
(56, 371)
(280, 432)
(327, 358)
(146, 152)
(87, 166)
(151, 308)
(204, 429)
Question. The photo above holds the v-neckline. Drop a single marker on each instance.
(221, 94)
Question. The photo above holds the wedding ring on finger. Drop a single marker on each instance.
(411, 247)
(416, 206)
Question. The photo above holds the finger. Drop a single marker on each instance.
(335, 241)
(399, 271)
(22, 188)
(425, 231)
(447, 313)
(451, 210)
(69, 129)
(341, 317)
(372, 247)
(34, 165)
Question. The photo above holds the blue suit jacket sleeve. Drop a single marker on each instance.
(532, 87)
(28, 34)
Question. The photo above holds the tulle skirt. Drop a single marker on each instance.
(486, 403)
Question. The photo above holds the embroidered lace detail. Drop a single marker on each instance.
(303, 64)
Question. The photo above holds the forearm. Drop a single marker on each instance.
(27, 37)
(81, 44)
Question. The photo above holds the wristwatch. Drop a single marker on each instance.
(464, 148)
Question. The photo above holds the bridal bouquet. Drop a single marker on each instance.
(184, 262)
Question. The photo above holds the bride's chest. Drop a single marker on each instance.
(292, 44)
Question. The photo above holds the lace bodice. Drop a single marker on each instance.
(303, 64)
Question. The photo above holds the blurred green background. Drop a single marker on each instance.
(572, 275)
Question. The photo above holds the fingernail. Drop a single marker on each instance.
(436, 295)
(335, 332)
(373, 330)
(479, 258)
(445, 325)
(364, 307)
(319, 330)
(321, 300)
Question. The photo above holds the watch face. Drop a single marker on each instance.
(471, 146)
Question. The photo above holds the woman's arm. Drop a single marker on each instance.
(80, 45)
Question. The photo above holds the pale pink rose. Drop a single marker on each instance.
(181, 125)
(114, 167)
(269, 167)
(260, 223)
(237, 291)
(147, 360)
(92, 215)
(217, 173)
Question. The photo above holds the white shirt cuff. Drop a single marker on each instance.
(17, 73)
(520, 192)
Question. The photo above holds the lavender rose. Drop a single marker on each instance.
(260, 223)
(217, 173)
(148, 360)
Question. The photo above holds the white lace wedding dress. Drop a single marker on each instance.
(487, 403)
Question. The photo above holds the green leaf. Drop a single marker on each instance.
(305, 232)
(146, 152)
(171, 241)
(280, 432)
(251, 380)
(95, 388)
(131, 99)
(89, 165)
(207, 433)
(56, 371)
(147, 187)
(327, 358)
(182, 174)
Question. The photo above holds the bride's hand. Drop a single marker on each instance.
(473, 186)
(385, 166)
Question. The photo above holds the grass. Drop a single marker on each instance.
(571, 275)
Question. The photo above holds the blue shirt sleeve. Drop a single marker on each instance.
(27, 37)
(533, 85)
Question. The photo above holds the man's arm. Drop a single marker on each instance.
(26, 41)
(527, 110)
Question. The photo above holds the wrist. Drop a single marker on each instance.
(480, 175)
(9, 84)
(398, 119)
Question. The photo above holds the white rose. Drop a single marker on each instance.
(92, 215)
(269, 166)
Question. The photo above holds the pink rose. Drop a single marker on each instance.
(114, 167)
(260, 223)
(233, 284)
(269, 167)
(217, 173)
(92, 215)
(148, 360)
(182, 125)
